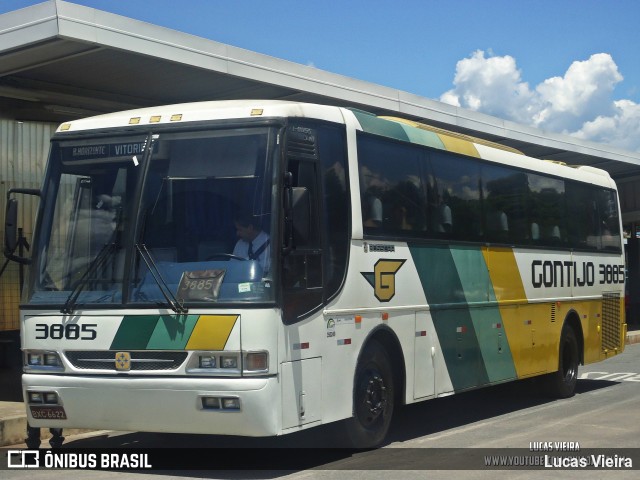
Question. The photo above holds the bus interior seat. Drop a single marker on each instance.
(535, 231)
(445, 219)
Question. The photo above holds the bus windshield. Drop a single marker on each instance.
(165, 219)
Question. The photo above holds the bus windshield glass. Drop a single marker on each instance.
(166, 219)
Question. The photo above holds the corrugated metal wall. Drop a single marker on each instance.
(24, 147)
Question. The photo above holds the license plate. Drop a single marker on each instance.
(54, 412)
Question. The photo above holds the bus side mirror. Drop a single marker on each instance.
(11, 227)
(11, 230)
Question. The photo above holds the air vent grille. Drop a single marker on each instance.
(611, 321)
(302, 142)
(140, 361)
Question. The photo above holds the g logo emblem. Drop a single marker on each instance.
(383, 278)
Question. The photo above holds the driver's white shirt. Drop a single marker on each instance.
(242, 250)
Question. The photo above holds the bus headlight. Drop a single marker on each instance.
(52, 360)
(47, 398)
(36, 397)
(229, 361)
(42, 361)
(214, 363)
(207, 361)
(230, 403)
(219, 403)
(34, 359)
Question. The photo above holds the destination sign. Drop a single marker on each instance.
(105, 150)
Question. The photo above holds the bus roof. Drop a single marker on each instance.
(419, 133)
(202, 111)
(393, 127)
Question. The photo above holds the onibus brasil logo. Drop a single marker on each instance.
(383, 278)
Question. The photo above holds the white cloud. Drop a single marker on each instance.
(582, 94)
(490, 85)
(621, 129)
(579, 103)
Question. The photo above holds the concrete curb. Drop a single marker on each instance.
(13, 426)
(13, 423)
(633, 337)
(13, 419)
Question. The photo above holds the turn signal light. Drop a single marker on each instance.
(256, 361)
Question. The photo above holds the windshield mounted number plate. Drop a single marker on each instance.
(200, 285)
(46, 412)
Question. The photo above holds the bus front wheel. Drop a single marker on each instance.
(373, 398)
(562, 384)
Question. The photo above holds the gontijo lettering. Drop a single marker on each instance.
(558, 273)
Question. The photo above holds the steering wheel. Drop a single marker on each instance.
(225, 256)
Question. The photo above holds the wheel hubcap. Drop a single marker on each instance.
(376, 396)
(373, 394)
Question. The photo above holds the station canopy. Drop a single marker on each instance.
(60, 61)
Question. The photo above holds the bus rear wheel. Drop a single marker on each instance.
(373, 397)
(562, 384)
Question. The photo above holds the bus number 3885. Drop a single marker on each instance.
(70, 331)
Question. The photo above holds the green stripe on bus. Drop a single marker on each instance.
(134, 332)
(172, 332)
(372, 124)
(423, 137)
(485, 314)
(451, 316)
(154, 332)
(494, 346)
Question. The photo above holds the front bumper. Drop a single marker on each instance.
(166, 404)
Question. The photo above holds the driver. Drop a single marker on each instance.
(253, 242)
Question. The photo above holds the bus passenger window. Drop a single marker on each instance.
(392, 193)
(454, 197)
(372, 210)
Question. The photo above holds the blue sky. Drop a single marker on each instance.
(563, 66)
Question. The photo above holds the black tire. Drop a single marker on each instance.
(33, 437)
(56, 439)
(373, 399)
(562, 384)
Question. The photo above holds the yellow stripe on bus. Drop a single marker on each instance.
(504, 274)
(458, 145)
(517, 316)
(211, 332)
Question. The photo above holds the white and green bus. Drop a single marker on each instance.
(398, 263)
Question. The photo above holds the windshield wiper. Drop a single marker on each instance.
(97, 262)
(173, 302)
